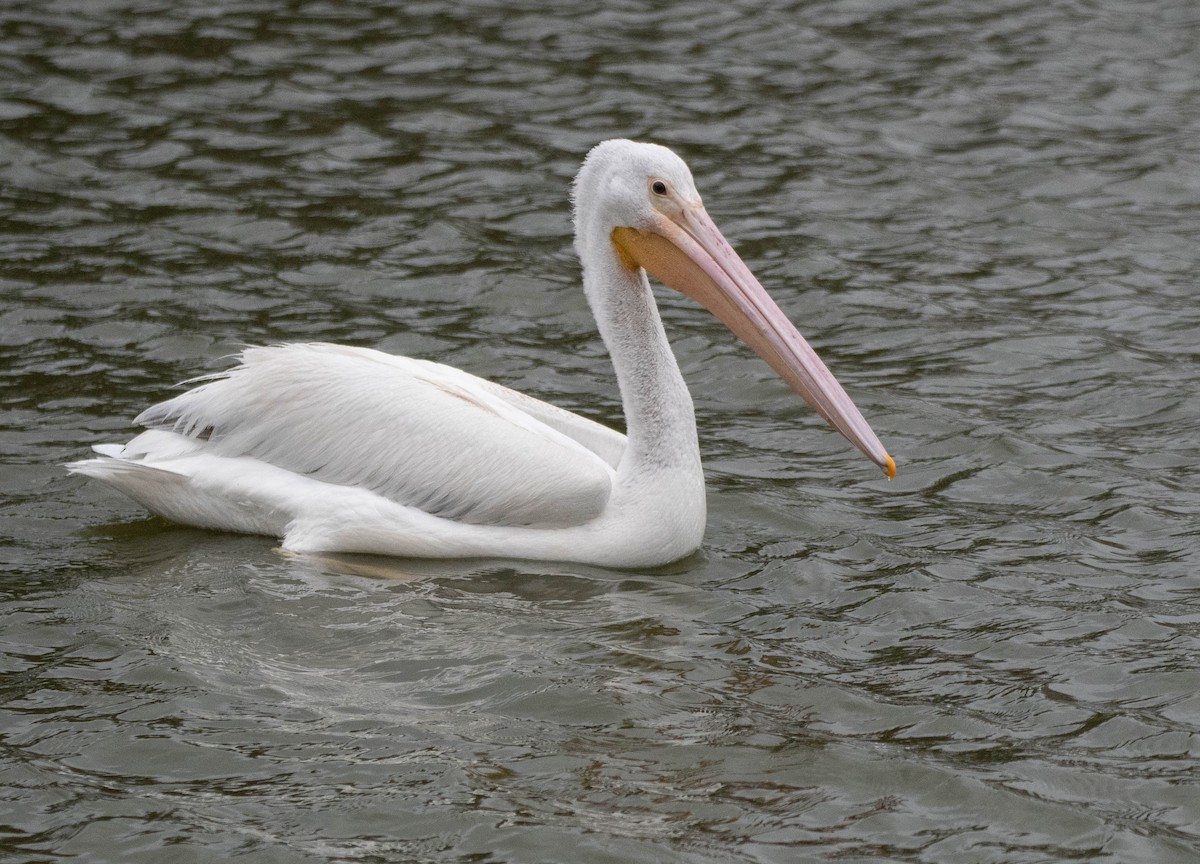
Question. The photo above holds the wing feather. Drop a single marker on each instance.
(416, 432)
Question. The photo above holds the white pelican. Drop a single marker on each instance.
(334, 448)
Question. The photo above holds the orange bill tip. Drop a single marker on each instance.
(890, 467)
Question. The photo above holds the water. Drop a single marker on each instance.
(984, 215)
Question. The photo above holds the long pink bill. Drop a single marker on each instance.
(687, 252)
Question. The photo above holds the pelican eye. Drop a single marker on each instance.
(658, 187)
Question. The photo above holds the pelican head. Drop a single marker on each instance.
(641, 198)
(615, 187)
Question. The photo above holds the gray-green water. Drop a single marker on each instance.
(983, 214)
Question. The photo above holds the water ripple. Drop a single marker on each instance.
(983, 215)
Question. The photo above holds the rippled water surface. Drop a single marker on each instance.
(984, 215)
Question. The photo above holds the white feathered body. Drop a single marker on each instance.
(332, 447)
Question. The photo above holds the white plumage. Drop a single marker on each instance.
(338, 448)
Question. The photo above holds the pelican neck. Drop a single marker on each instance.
(659, 417)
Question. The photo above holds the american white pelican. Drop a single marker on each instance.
(346, 449)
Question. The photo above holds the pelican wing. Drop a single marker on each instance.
(418, 433)
(608, 444)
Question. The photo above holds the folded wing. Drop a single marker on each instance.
(419, 433)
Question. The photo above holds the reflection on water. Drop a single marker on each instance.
(984, 217)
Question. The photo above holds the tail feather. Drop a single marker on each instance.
(182, 497)
(123, 474)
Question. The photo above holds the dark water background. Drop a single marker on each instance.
(983, 214)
